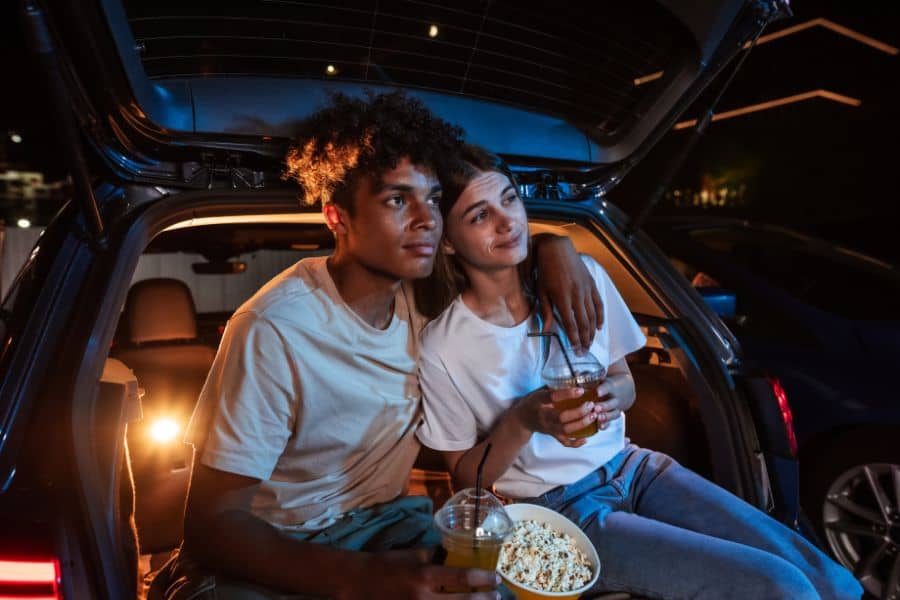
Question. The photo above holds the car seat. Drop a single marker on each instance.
(157, 339)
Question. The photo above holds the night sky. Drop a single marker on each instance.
(819, 165)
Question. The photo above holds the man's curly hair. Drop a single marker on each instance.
(355, 137)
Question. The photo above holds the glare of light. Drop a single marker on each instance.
(23, 223)
(315, 218)
(164, 430)
(15, 138)
(647, 78)
(840, 98)
(331, 70)
(832, 26)
(433, 31)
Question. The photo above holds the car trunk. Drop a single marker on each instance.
(680, 408)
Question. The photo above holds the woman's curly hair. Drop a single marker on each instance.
(354, 137)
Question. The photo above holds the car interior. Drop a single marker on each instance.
(189, 280)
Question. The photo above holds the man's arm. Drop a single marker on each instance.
(222, 534)
(564, 282)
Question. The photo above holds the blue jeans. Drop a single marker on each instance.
(663, 531)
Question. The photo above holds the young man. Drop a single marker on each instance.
(304, 431)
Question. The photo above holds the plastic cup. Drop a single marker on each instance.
(473, 541)
(588, 374)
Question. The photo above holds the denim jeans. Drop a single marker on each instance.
(663, 531)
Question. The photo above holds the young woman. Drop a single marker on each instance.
(660, 529)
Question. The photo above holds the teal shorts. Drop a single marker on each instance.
(401, 524)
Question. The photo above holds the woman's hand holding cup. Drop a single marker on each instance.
(537, 412)
(609, 405)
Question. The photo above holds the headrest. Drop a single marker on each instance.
(158, 310)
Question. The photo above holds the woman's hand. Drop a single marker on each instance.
(565, 283)
(536, 412)
(614, 396)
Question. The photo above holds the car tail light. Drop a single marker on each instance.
(28, 579)
(786, 414)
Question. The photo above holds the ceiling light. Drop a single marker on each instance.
(331, 70)
(15, 137)
(433, 31)
(23, 223)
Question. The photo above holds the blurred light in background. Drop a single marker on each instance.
(164, 430)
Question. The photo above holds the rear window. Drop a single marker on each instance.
(219, 292)
(592, 62)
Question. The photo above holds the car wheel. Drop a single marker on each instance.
(851, 492)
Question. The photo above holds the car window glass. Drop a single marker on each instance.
(13, 312)
(19, 305)
(218, 292)
(757, 319)
(216, 296)
(840, 285)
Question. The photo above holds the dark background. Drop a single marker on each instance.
(817, 165)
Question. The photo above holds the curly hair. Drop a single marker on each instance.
(355, 137)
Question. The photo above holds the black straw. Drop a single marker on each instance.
(478, 488)
(555, 335)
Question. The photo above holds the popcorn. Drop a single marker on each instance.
(537, 556)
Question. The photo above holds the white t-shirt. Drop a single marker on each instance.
(472, 371)
(312, 400)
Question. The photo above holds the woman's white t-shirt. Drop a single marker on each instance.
(471, 371)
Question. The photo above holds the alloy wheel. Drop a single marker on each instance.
(862, 525)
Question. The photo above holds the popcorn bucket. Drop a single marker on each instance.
(524, 512)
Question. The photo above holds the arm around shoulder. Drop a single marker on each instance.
(564, 283)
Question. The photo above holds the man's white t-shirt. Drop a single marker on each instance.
(312, 400)
(471, 371)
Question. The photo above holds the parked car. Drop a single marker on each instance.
(176, 118)
(824, 320)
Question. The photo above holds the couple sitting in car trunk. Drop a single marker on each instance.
(312, 414)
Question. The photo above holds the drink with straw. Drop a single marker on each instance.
(561, 371)
(473, 538)
(473, 526)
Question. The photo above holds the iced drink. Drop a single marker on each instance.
(473, 542)
(588, 374)
(463, 551)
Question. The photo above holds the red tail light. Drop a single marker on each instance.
(786, 414)
(25, 579)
